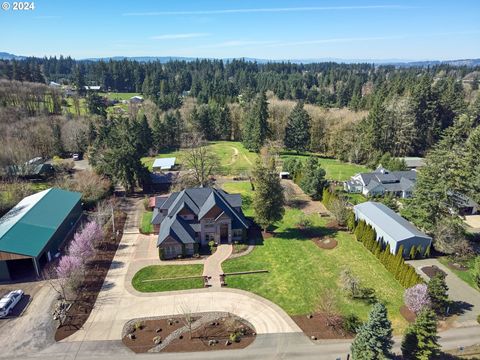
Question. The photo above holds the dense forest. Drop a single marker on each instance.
(400, 111)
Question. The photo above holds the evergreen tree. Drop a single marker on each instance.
(256, 124)
(145, 135)
(297, 131)
(374, 337)
(438, 293)
(421, 341)
(313, 178)
(268, 203)
(158, 133)
(58, 148)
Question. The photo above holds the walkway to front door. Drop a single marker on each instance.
(213, 264)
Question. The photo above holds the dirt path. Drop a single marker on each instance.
(234, 156)
(247, 159)
(303, 201)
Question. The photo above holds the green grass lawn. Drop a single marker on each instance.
(168, 272)
(146, 227)
(233, 158)
(334, 169)
(466, 276)
(120, 96)
(300, 272)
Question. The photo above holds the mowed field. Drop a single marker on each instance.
(299, 272)
(234, 159)
(119, 96)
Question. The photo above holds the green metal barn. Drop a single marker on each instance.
(32, 233)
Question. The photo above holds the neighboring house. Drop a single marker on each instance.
(158, 182)
(32, 233)
(463, 204)
(391, 228)
(136, 99)
(163, 164)
(29, 171)
(191, 218)
(413, 162)
(93, 88)
(381, 182)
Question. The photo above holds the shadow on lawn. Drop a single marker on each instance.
(307, 233)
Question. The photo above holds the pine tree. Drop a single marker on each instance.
(268, 203)
(413, 252)
(158, 133)
(256, 124)
(313, 179)
(145, 135)
(374, 338)
(421, 341)
(351, 221)
(297, 130)
(438, 292)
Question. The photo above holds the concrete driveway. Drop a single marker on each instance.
(118, 302)
(459, 291)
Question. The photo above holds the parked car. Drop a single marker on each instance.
(8, 302)
(76, 157)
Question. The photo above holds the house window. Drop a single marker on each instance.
(209, 237)
(237, 232)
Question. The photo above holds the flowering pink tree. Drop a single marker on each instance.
(67, 274)
(83, 242)
(416, 298)
(93, 231)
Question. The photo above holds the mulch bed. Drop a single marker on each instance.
(407, 314)
(325, 243)
(200, 340)
(457, 266)
(317, 327)
(96, 272)
(334, 225)
(268, 234)
(432, 271)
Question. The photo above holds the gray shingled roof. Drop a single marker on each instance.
(388, 220)
(198, 201)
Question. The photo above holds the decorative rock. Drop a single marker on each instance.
(313, 337)
(157, 340)
(227, 342)
(180, 337)
(211, 342)
(309, 316)
(131, 336)
(158, 330)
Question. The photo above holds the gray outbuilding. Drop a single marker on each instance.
(391, 227)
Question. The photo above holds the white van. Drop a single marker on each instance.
(8, 302)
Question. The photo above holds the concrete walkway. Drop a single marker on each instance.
(459, 291)
(213, 264)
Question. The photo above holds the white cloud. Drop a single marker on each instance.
(179, 36)
(267, 10)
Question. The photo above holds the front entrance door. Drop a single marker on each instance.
(223, 233)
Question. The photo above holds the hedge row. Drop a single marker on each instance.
(395, 264)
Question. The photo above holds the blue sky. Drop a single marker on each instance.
(360, 29)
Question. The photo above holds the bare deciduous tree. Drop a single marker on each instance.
(200, 160)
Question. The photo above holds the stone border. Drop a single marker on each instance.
(204, 317)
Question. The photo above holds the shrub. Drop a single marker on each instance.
(351, 323)
(304, 222)
(211, 245)
(161, 255)
(234, 337)
(138, 325)
(416, 298)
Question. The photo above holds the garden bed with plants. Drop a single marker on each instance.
(90, 283)
(432, 271)
(325, 243)
(187, 333)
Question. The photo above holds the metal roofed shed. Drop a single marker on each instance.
(35, 229)
(163, 164)
(391, 227)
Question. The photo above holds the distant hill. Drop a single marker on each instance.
(8, 56)
(165, 59)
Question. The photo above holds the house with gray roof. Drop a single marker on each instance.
(193, 217)
(391, 228)
(382, 181)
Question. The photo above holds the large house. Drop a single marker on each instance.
(381, 182)
(193, 217)
(34, 231)
(391, 228)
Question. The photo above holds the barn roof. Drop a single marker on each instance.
(388, 220)
(29, 226)
(164, 164)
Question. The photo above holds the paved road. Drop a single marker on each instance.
(458, 291)
(213, 264)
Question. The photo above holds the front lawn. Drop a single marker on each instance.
(146, 226)
(300, 272)
(168, 278)
(467, 275)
